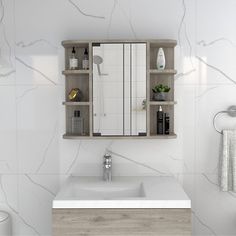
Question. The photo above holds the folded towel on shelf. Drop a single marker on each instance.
(228, 162)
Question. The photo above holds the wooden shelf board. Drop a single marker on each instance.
(163, 136)
(76, 103)
(75, 72)
(72, 136)
(75, 43)
(163, 43)
(163, 72)
(162, 103)
(153, 42)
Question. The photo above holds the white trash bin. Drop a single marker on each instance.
(5, 224)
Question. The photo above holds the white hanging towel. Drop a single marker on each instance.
(228, 161)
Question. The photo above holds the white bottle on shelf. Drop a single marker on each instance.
(73, 63)
(161, 61)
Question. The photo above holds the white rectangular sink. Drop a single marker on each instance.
(122, 192)
(100, 190)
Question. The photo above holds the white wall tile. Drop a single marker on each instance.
(34, 158)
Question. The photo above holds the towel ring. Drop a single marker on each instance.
(231, 111)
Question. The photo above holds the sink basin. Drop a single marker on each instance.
(122, 192)
(105, 190)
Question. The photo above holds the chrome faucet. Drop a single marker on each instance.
(107, 167)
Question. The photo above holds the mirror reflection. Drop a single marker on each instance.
(119, 89)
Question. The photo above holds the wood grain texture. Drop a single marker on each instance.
(152, 136)
(148, 89)
(90, 89)
(121, 222)
(75, 72)
(76, 103)
(169, 71)
(154, 42)
(162, 103)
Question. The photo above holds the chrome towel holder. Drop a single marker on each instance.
(231, 111)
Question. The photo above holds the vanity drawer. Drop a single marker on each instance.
(121, 222)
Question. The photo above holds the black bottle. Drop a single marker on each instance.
(160, 116)
(167, 123)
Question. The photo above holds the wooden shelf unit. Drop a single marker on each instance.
(165, 77)
(83, 80)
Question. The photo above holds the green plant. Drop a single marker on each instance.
(160, 88)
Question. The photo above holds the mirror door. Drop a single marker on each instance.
(119, 89)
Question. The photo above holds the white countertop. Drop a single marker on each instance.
(122, 192)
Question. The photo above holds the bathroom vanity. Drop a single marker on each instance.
(116, 89)
(127, 206)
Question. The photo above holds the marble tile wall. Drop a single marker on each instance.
(34, 159)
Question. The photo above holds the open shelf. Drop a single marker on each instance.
(84, 113)
(76, 103)
(162, 103)
(161, 72)
(165, 79)
(79, 54)
(75, 72)
(81, 82)
(169, 56)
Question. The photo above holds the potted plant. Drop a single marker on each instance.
(159, 92)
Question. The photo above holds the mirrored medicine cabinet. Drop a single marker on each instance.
(119, 89)
(112, 97)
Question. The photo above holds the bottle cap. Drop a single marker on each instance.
(160, 108)
(73, 50)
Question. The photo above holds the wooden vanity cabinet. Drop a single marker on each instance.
(121, 222)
